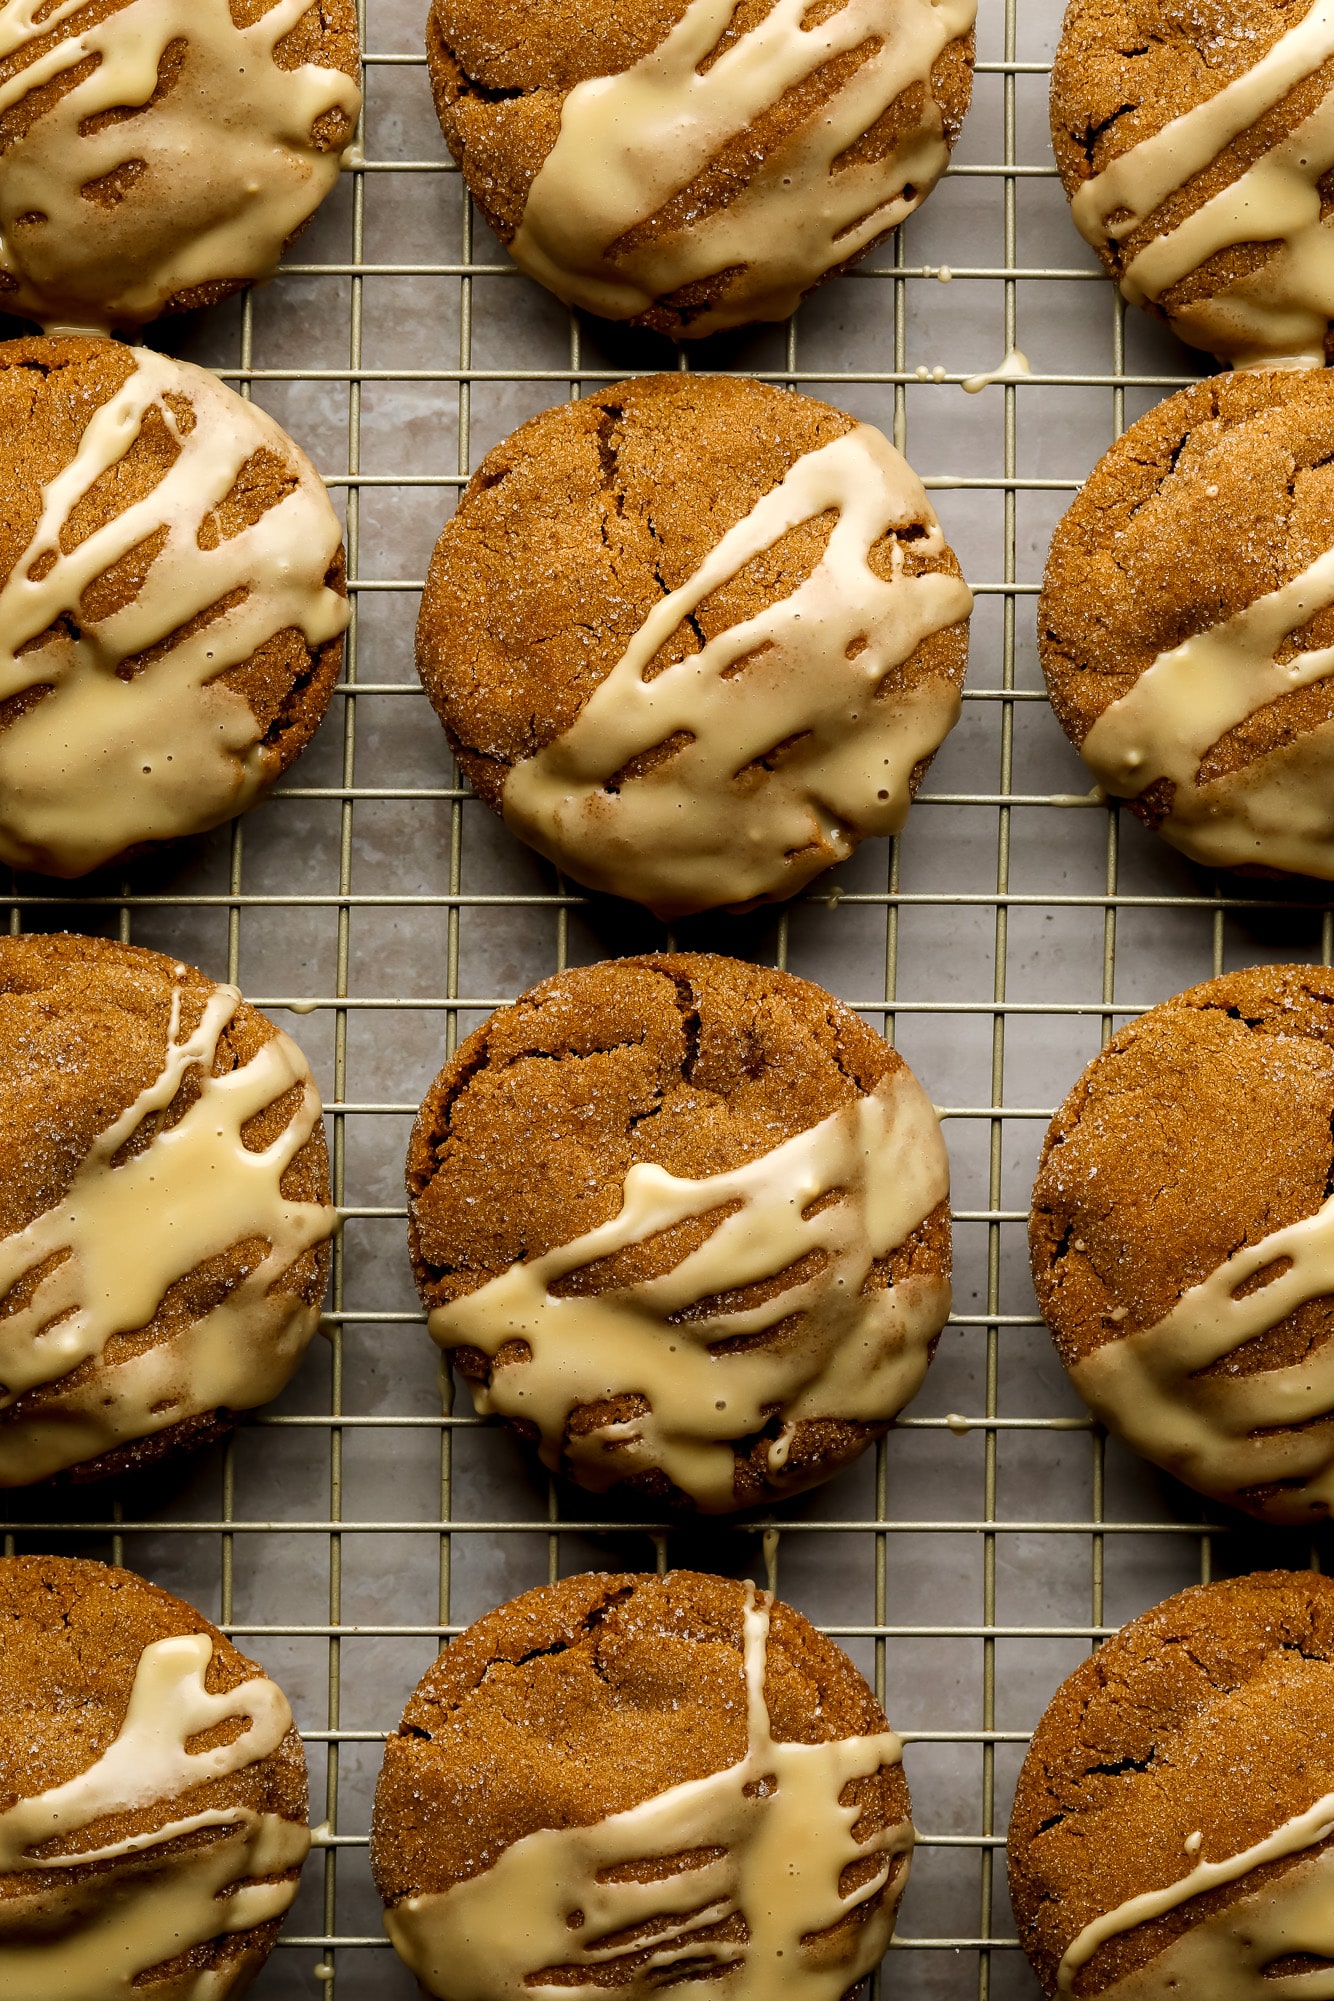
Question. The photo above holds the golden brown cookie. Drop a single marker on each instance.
(1183, 1238)
(1197, 147)
(157, 155)
(695, 638)
(685, 1223)
(612, 1777)
(152, 1792)
(172, 602)
(690, 165)
(1189, 1763)
(1186, 617)
(164, 1207)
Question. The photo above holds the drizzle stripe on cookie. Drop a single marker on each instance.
(1277, 809)
(206, 181)
(859, 1354)
(123, 1234)
(796, 743)
(1282, 309)
(123, 749)
(629, 143)
(69, 1943)
(1225, 1954)
(559, 1901)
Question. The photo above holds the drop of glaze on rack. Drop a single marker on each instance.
(925, 374)
(1011, 369)
(958, 1424)
(302, 1007)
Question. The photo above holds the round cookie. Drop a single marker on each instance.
(684, 1222)
(172, 602)
(157, 155)
(620, 1776)
(1196, 145)
(1182, 1235)
(164, 1207)
(1171, 1826)
(695, 638)
(1185, 618)
(153, 1783)
(690, 165)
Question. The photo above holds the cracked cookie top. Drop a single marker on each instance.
(1196, 144)
(1182, 1235)
(1185, 617)
(695, 638)
(603, 1765)
(152, 1792)
(1179, 1766)
(684, 1222)
(690, 165)
(172, 602)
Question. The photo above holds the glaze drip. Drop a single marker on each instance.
(122, 1235)
(552, 1906)
(121, 750)
(795, 743)
(860, 1352)
(629, 143)
(105, 219)
(1281, 310)
(92, 1941)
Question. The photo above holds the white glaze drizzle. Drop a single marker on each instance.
(105, 761)
(76, 1945)
(1282, 309)
(629, 143)
(859, 1354)
(129, 1232)
(1223, 1956)
(1278, 809)
(548, 1903)
(711, 824)
(1225, 1433)
(224, 168)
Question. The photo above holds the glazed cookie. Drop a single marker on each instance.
(154, 1788)
(1171, 1831)
(1196, 144)
(164, 1207)
(684, 1222)
(1187, 619)
(614, 1782)
(691, 165)
(157, 155)
(1183, 1238)
(172, 602)
(695, 638)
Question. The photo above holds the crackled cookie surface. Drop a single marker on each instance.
(695, 638)
(693, 164)
(172, 602)
(154, 1789)
(1183, 1238)
(683, 1222)
(620, 1777)
(138, 1314)
(1197, 147)
(1172, 1824)
(156, 155)
(1187, 617)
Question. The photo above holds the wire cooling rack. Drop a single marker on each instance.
(379, 911)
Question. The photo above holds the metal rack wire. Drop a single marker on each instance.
(995, 1535)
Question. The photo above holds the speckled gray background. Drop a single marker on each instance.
(1010, 926)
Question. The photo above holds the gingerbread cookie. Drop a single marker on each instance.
(172, 602)
(695, 638)
(684, 1222)
(153, 1823)
(616, 1779)
(164, 1207)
